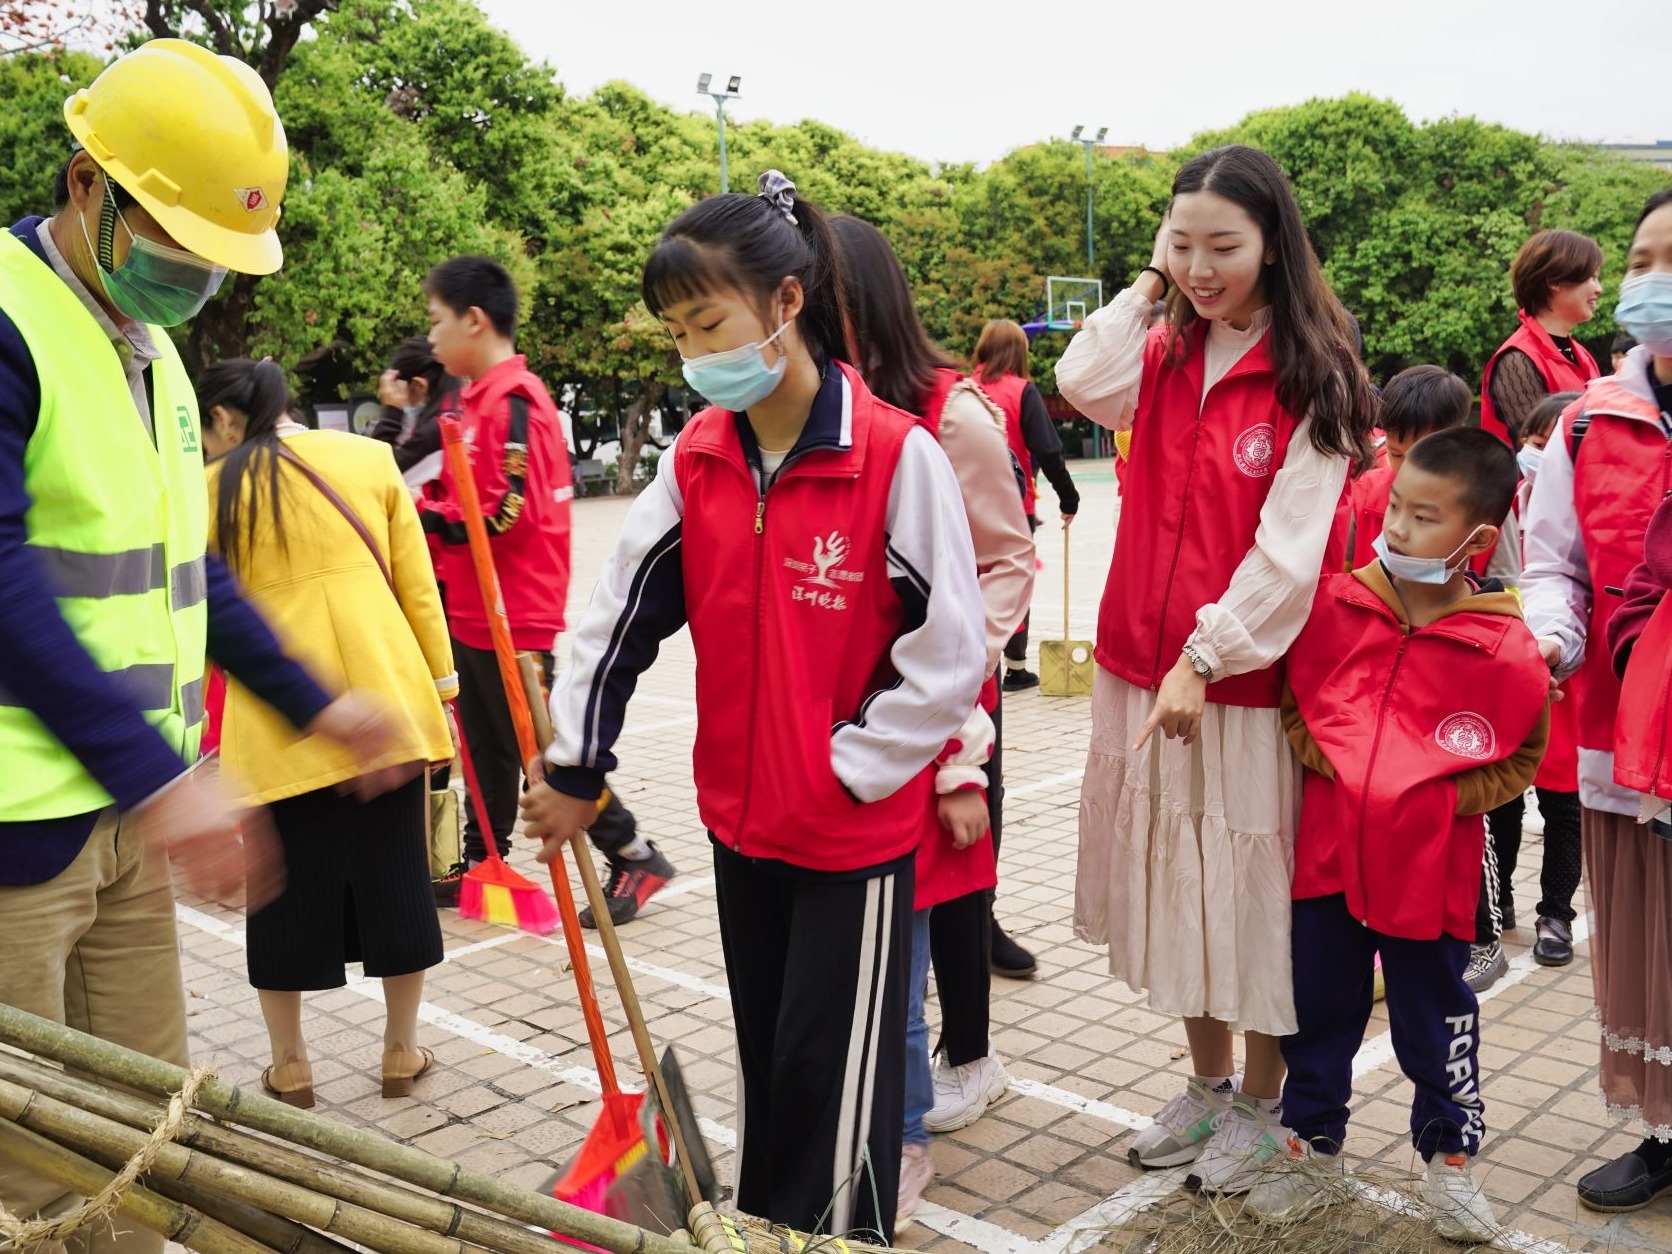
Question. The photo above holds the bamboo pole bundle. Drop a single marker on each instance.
(179, 1223)
(274, 1194)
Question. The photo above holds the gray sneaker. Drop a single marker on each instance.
(1461, 1211)
(1298, 1183)
(1487, 966)
(1184, 1126)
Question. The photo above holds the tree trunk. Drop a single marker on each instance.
(635, 430)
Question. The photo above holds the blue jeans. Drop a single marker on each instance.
(920, 1083)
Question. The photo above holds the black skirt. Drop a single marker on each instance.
(357, 889)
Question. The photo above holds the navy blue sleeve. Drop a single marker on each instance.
(43, 667)
(244, 646)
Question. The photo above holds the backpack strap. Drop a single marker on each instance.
(1576, 435)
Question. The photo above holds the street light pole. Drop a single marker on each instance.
(1088, 143)
(719, 98)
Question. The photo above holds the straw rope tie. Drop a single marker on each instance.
(21, 1234)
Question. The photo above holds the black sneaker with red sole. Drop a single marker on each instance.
(446, 889)
(632, 883)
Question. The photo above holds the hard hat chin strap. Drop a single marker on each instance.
(107, 228)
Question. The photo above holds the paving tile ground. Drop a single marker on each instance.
(514, 1090)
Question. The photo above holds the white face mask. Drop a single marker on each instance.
(1430, 570)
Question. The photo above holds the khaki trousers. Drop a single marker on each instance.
(95, 949)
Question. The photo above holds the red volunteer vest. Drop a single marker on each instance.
(1369, 494)
(1643, 735)
(1623, 471)
(1560, 374)
(1006, 392)
(1190, 507)
(1385, 707)
(532, 557)
(791, 590)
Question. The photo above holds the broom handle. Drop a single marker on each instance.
(618, 960)
(487, 580)
(490, 842)
(1065, 532)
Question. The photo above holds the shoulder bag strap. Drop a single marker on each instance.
(330, 494)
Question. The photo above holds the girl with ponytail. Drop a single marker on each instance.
(813, 537)
(324, 537)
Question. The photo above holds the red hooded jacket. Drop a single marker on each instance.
(521, 463)
(1560, 374)
(1413, 756)
(1190, 508)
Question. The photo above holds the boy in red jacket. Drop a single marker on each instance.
(1417, 702)
(521, 464)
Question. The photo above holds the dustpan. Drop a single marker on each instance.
(1065, 666)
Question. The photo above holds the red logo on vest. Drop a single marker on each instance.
(1254, 450)
(1467, 735)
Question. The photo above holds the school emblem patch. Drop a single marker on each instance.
(1468, 735)
(1254, 450)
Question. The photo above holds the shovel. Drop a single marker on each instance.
(1065, 666)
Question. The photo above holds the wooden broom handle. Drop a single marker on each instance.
(535, 697)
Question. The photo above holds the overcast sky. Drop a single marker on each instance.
(971, 81)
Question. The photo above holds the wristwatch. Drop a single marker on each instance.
(1197, 662)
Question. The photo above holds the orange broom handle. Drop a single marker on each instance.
(487, 580)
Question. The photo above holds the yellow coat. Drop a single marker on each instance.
(323, 595)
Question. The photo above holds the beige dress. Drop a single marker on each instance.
(1187, 852)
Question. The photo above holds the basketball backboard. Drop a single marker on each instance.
(1068, 300)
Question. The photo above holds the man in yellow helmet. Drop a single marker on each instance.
(108, 600)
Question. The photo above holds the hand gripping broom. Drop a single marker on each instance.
(620, 1118)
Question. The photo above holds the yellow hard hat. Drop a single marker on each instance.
(194, 138)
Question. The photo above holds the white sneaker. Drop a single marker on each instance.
(1297, 1183)
(1235, 1157)
(962, 1094)
(917, 1173)
(1182, 1128)
(1461, 1211)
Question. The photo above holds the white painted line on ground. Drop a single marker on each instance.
(458, 1025)
(1040, 785)
(1073, 1237)
(1378, 1050)
(476, 947)
(976, 1233)
(1024, 1087)
(685, 884)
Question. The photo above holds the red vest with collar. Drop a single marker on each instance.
(1006, 392)
(1385, 707)
(792, 615)
(1560, 374)
(1643, 736)
(1622, 472)
(1190, 507)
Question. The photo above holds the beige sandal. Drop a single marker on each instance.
(301, 1097)
(401, 1085)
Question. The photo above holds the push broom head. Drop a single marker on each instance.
(493, 893)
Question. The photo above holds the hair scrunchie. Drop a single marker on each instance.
(779, 192)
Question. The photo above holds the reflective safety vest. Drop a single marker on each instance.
(120, 525)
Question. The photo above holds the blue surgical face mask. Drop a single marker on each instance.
(739, 377)
(155, 284)
(1529, 457)
(1645, 310)
(1434, 570)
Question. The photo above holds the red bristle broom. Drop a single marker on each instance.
(618, 1123)
(491, 892)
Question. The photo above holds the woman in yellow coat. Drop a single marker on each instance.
(321, 531)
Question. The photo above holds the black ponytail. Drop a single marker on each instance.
(258, 391)
(749, 244)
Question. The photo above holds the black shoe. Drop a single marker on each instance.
(1506, 909)
(1624, 1184)
(1009, 959)
(1019, 679)
(1554, 947)
(446, 889)
(632, 883)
